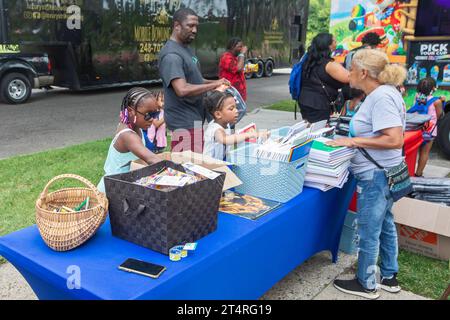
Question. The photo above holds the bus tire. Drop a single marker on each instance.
(444, 135)
(15, 88)
(268, 68)
(260, 72)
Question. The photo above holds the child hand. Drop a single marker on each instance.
(264, 134)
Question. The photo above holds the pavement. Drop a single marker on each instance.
(310, 281)
(60, 118)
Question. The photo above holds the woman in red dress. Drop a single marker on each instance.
(231, 65)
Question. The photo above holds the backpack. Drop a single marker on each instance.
(295, 80)
(240, 103)
(421, 108)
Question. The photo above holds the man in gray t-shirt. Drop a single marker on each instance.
(184, 85)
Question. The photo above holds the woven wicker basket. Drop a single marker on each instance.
(66, 231)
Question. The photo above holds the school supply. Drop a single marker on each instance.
(327, 166)
(65, 209)
(68, 229)
(201, 171)
(83, 206)
(161, 219)
(294, 130)
(272, 150)
(287, 144)
(168, 179)
(180, 252)
(246, 206)
(249, 128)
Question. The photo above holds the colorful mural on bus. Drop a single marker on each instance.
(351, 19)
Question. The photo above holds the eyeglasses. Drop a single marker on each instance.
(149, 115)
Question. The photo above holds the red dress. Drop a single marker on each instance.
(228, 69)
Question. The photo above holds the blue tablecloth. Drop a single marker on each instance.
(241, 260)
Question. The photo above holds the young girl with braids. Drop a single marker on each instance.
(157, 131)
(427, 104)
(218, 137)
(139, 109)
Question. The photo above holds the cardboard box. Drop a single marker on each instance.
(231, 180)
(423, 227)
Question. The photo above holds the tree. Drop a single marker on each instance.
(318, 18)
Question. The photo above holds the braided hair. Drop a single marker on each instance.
(214, 101)
(132, 99)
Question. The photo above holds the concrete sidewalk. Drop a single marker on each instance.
(311, 280)
(269, 119)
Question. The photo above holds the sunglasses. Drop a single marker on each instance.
(149, 115)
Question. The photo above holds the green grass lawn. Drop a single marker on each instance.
(285, 105)
(424, 276)
(24, 178)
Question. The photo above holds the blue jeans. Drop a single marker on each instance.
(376, 228)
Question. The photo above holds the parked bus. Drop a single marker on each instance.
(104, 43)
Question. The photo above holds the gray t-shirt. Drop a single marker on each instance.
(179, 62)
(384, 108)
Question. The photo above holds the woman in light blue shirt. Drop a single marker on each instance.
(377, 127)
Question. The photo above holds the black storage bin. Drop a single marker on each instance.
(161, 220)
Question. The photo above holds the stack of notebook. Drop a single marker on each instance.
(327, 166)
(294, 144)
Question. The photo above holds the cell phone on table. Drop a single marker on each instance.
(143, 268)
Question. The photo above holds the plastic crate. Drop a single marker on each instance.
(280, 132)
(269, 179)
(348, 243)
